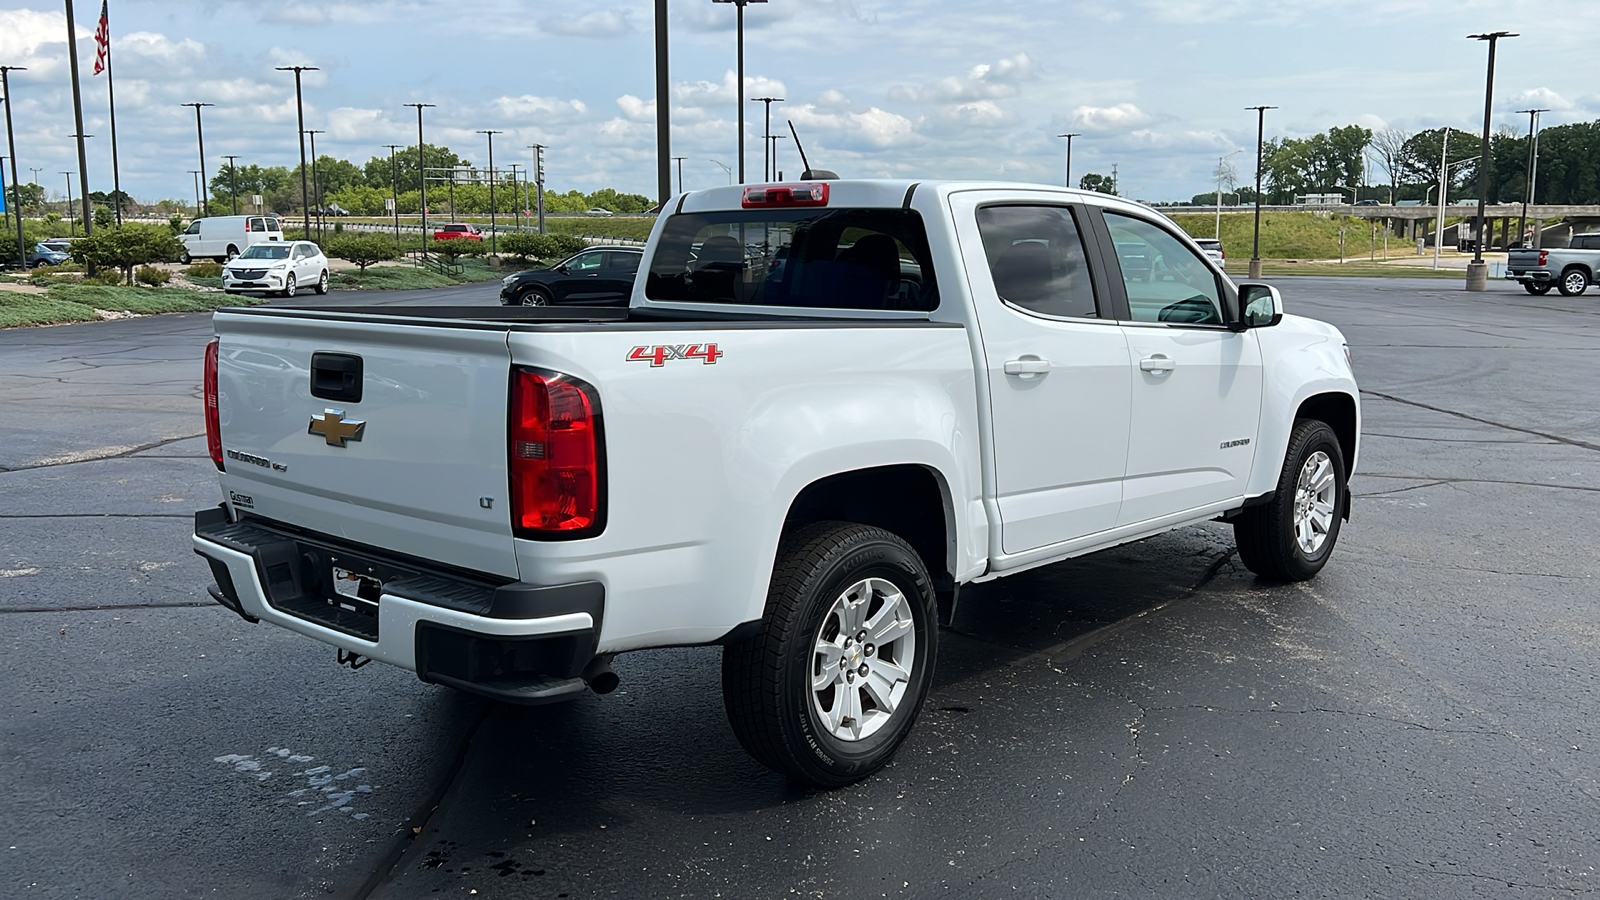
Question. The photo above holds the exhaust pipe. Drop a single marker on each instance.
(598, 675)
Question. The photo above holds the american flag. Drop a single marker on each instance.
(102, 38)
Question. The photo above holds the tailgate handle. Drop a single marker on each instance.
(336, 376)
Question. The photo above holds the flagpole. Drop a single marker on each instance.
(111, 91)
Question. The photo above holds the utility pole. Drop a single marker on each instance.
(1261, 126)
(679, 160)
(394, 186)
(200, 133)
(493, 250)
(538, 179)
(1069, 138)
(1478, 270)
(300, 111)
(1528, 175)
(77, 112)
(519, 183)
(740, 5)
(11, 143)
(769, 159)
(422, 174)
(663, 119)
(72, 221)
(233, 187)
(196, 174)
(316, 185)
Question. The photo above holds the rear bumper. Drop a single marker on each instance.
(516, 642)
(1537, 276)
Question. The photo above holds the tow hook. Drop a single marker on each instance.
(353, 660)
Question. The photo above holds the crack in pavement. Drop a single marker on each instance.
(121, 453)
(1508, 883)
(1574, 442)
(1332, 712)
(1455, 481)
(1439, 440)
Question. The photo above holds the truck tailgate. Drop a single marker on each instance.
(416, 465)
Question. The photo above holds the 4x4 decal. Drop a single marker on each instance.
(658, 355)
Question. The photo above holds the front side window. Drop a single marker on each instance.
(1166, 281)
(194, 227)
(868, 259)
(586, 262)
(1037, 260)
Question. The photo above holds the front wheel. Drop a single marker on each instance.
(535, 297)
(185, 258)
(1291, 537)
(1536, 288)
(830, 686)
(322, 283)
(1574, 282)
(289, 286)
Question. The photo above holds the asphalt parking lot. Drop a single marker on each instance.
(1148, 722)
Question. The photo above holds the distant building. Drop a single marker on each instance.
(1319, 200)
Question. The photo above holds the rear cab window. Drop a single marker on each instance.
(833, 258)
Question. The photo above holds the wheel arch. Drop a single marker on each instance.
(910, 500)
(1338, 410)
(1587, 271)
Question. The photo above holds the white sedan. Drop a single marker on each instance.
(277, 267)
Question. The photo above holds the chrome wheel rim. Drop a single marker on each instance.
(1576, 282)
(861, 665)
(533, 298)
(1315, 494)
(288, 287)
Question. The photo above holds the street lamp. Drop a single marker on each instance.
(394, 187)
(725, 168)
(1221, 161)
(1527, 181)
(1444, 190)
(300, 111)
(1478, 270)
(538, 179)
(233, 188)
(196, 174)
(201, 134)
(741, 5)
(769, 158)
(316, 185)
(72, 223)
(1069, 138)
(11, 143)
(1261, 126)
(422, 175)
(679, 160)
(491, 134)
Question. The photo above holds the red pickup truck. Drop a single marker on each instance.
(458, 232)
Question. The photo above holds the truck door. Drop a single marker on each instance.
(1196, 384)
(1056, 365)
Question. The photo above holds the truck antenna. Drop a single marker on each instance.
(809, 174)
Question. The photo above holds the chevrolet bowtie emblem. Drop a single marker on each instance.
(333, 426)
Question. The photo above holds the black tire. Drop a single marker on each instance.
(289, 286)
(1536, 288)
(1266, 534)
(233, 253)
(185, 258)
(766, 680)
(322, 283)
(1574, 281)
(534, 297)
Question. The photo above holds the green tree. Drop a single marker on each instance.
(127, 247)
(376, 172)
(361, 200)
(363, 249)
(26, 196)
(1096, 182)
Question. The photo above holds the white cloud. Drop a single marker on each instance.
(635, 109)
(546, 110)
(600, 23)
(724, 93)
(1109, 118)
(357, 124)
(983, 82)
(1543, 97)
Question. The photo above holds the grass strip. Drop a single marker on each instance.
(78, 302)
(410, 278)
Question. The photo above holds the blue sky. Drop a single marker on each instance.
(911, 88)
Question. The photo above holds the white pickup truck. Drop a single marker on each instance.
(828, 407)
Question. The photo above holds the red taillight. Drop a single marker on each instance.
(773, 195)
(554, 456)
(213, 417)
(1544, 257)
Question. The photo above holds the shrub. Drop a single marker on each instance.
(126, 247)
(150, 276)
(363, 249)
(541, 246)
(204, 270)
(175, 222)
(449, 251)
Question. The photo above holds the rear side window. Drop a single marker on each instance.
(256, 225)
(272, 225)
(623, 262)
(874, 259)
(1037, 260)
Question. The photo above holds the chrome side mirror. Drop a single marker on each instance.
(1262, 305)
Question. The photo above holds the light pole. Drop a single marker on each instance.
(538, 179)
(679, 160)
(1221, 161)
(663, 118)
(1261, 130)
(1478, 270)
(72, 222)
(422, 175)
(11, 144)
(77, 113)
(1527, 181)
(200, 134)
(316, 186)
(36, 171)
(740, 4)
(300, 112)
(1069, 138)
(196, 174)
(519, 183)
(491, 134)
(725, 169)
(769, 159)
(233, 189)
(394, 188)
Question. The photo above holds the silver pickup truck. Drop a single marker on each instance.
(1571, 270)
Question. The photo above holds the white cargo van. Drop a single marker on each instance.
(224, 237)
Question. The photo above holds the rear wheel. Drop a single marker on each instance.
(322, 283)
(1291, 537)
(830, 686)
(1536, 288)
(1574, 281)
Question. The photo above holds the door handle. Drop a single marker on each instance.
(1027, 366)
(1157, 364)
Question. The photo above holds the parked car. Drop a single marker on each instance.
(456, 231)
(277, 268)
(1570, 270)
(598, 211)
(43, 255)
(335, 209)
(1368, 203)
(802, 473)
(599, 276)
(224, 237)
(58, 245)
(1213, 249)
